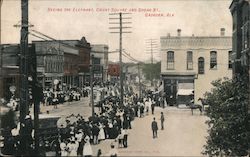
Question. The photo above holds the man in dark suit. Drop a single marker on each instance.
(154, 127)
(153, 107)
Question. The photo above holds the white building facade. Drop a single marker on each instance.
(189, 64)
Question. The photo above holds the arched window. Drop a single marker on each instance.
(189, 60)
(170, 60)
(201, 65)
(213, 60)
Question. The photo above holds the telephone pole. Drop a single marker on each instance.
(24, 92)
(24, 72)
(139, 80)
(120, 28)
(152, 49)
(1, 2)
(1, 55)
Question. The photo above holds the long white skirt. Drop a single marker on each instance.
(87, 150)
(101, 135)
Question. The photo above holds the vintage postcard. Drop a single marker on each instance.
(124, 77)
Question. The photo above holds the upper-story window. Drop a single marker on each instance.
(230, 59)
(201, 65)
(213, 60)
(170, 60)
(189, 60)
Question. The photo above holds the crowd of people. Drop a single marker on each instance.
(53, 97)
(112, 121)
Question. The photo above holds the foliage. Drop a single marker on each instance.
(228, 118)
(152, 69)
(8, 119)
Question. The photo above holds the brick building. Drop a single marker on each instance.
(84, 55)
(240, 10)
(50, 60)
(66, 61)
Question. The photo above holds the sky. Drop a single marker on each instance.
(150, 19)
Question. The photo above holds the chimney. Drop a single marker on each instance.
(178, 32)
(222, 32)
(168, 35)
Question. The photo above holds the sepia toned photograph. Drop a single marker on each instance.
(118, 78)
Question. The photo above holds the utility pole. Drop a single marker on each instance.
(121, 27)
(139, 80)
(153, 47)
(1, 53)
(24, 92)
(23, 70)
(1, 2)
(91, 85)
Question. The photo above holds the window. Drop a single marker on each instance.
(229, 59)
(213, 60)
(170, 60)
(201, 67)
(189, 60)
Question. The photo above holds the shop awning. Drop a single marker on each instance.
(185, 91)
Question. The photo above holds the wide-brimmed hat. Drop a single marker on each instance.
(27, 117)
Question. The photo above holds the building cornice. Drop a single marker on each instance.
(194, 49)
(197, 42)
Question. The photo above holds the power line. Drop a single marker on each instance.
(53, 39)
(121, 26)
(136, 60)
(152, 47)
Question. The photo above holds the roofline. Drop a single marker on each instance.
(52, 40)
(176, 37)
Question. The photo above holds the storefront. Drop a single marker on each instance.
(178, 89)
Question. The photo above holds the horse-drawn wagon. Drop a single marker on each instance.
(48, 132)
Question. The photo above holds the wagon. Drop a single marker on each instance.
(48, 132)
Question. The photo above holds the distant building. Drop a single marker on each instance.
(9, 69)
(114, 69)
(132, 73)
(50, 61)
(240, 10)
(189, 64)
(100, 53)
(84, 56)
(66, 61)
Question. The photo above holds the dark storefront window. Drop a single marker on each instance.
(201, 65)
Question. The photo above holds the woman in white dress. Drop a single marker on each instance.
(63, 147)
(87, 149)
(73, 148)
(101, 135)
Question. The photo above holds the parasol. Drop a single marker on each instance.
(61, 123)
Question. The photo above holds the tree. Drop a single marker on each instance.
(228, 118)
(154, 69)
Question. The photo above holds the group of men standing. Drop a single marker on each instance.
(154, 125)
